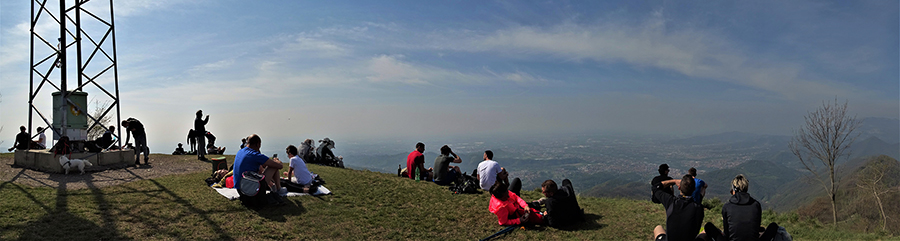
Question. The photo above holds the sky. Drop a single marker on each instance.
(387, 70)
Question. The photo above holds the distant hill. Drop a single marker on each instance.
(886, 129)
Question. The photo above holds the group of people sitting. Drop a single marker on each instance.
(298, 178)
(560, 205)
(741, 215)
(24, 142)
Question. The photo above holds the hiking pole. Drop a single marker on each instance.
(501, 232)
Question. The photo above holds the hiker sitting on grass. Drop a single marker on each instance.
(490, 172)
(298, 178)
(510, 209)
(741, 216)
(179, 150)
(213, 150)
(444, 173)
(683, 216)
(561, 203)
(250, 159)
(416, 160)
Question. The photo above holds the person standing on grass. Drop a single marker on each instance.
(444, 174)
(683, 216)
(250, 159)
(200, 132)
(416, 160)
(134, 126)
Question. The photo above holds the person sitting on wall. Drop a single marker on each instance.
(41, 142)
(23, 140)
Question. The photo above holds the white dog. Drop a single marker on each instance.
(68, 164)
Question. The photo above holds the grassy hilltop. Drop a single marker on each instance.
(365, 206)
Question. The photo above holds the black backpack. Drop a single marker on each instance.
(466, 185)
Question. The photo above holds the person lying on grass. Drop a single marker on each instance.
(510, 209)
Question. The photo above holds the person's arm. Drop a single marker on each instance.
(456, 158)
(703, 190)
(127, 137)
(274, 163)
(207, 120)
(664, 197)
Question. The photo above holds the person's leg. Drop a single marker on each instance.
(272, 177)
(201, 147)
(712, 232)
(659, 231)
(141, 141)
(515, 186)
(770, 232)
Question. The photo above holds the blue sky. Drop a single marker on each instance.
(291, 70)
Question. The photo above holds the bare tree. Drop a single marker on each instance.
(871, 180)
(97, 130)
(825, 137)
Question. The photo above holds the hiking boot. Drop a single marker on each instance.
(202, 158)
(146, 160)
(283, 191)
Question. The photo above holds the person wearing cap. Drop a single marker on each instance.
(326, 157)
(663, 176)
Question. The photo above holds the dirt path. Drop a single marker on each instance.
(98, 177)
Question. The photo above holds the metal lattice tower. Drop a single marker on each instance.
(94, 42)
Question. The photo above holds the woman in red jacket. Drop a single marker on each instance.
(510, 209)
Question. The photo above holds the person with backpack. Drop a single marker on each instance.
(561, 204)
(444, 174)
(134, 126)
(251, 160)
(683, 216)
(510, 209)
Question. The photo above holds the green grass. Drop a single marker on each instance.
(365, 206)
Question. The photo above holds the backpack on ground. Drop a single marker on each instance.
(250, 183)
(465, 185)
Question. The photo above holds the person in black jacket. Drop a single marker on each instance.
(199, 133)
(741, 216)
(683, 216)
(134, 127)
(561, 203)
(663, 176)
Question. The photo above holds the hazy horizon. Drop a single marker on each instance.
(397, 71)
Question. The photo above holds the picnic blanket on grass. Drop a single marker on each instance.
(232, 194)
